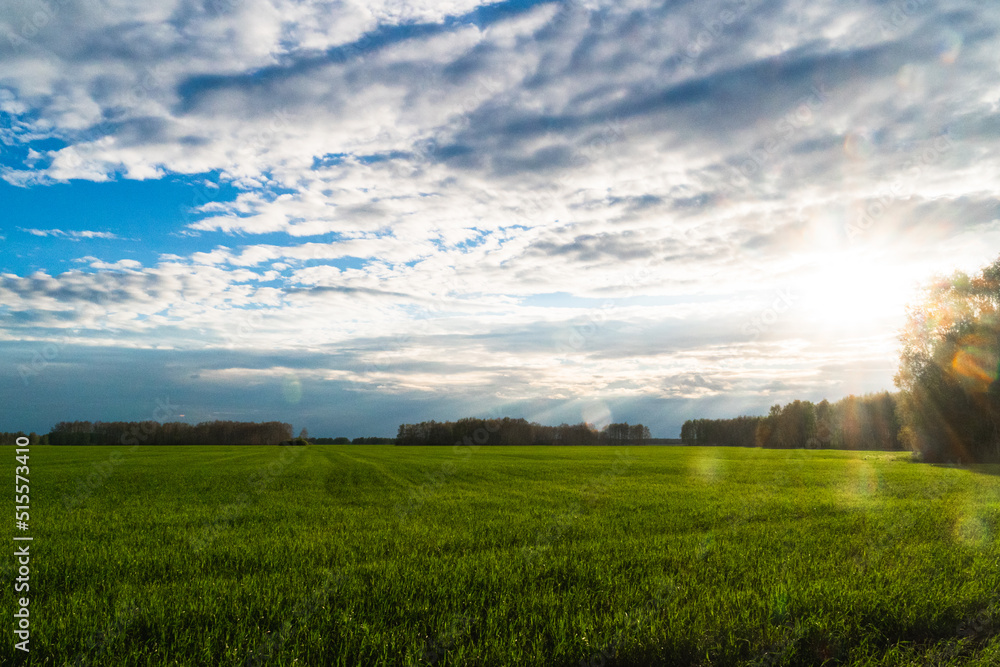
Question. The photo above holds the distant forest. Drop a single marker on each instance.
(509, 431)
(504, 431)
(155, 433)
(179, 433)
(871, 421)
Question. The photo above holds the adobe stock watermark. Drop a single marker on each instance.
(382, 359)
(40, 360)
(101, 472)
(250, 326)
(900, 188)
(542, 202)
(48, 353)
(900, 13)
(99, 642)
(38, 17)
(206, 197)
(585, 327)
(537, 202)
(711, 31)
(269, 648)
(462, 450)
(228, 516)
(823, 437)
(779, 651)
(424, 150)
(783, 300)
(148, 82)
(590, 494)
(217, 8)
(459, 627)
(802, 115)
(665, 594)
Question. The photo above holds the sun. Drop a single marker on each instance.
(851, 291)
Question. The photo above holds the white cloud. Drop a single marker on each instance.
(75, 235)
(416, 187)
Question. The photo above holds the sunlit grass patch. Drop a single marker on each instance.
(512, 556)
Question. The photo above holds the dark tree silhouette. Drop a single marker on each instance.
(169, 433)
(507, 431)
(950, 394)
(865, 422)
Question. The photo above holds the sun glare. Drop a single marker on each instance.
(847, 291)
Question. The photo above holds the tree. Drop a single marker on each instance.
(767, 427)
(791, 427)
(638, 434)
(950, 396)
(824, 422)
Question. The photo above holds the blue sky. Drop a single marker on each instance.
(347, 215)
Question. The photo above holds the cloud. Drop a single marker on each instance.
(74, 235)
(412, 176)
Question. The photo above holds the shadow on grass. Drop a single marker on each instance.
(980, 468)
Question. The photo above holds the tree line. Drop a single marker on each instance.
(508, 431)
(171, 433)
(869, 422)
(33, 438)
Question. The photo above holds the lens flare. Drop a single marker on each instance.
(860, 483)
(906, 77)
(706, 465)
(975, 364)
(950, 47)
(972, 529)
(291, 389)
(596, 414)
(858, 146)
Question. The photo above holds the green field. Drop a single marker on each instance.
(366, 555)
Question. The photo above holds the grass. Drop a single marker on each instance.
(366, 555)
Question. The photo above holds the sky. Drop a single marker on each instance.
(348, 215)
